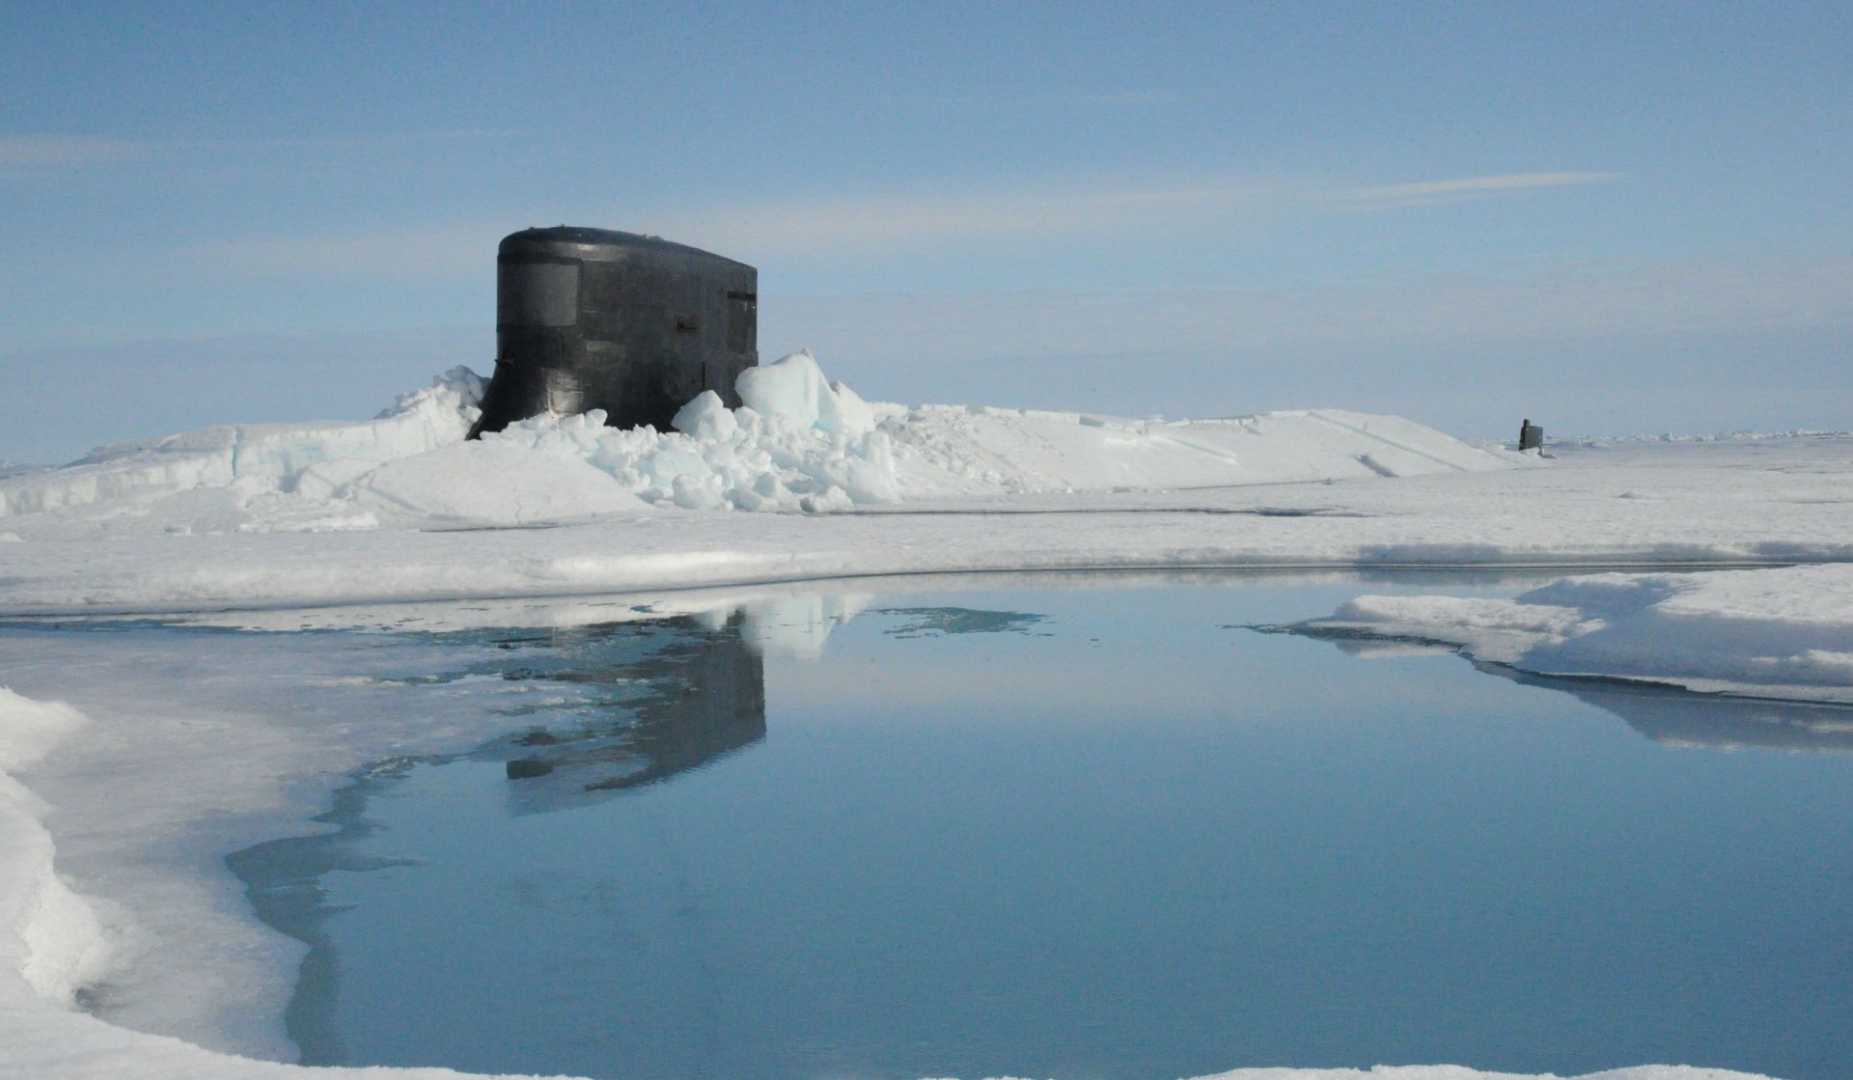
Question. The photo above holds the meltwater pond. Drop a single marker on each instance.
(989, 826)
(1106, 832)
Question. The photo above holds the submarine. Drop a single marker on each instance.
(598, 319)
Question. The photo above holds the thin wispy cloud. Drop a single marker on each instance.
(1690, 297)
(49, 152)
(346, 140)
(1063, 100)
(889, 222)
(896, 221)
(854, 226)
(1432, 192)
(867, 224)
(20, 152)
(457, 250)
(847, 226)
(1129, 98)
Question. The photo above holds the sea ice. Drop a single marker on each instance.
(1783, 632)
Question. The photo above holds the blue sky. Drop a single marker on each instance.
(1609, 217)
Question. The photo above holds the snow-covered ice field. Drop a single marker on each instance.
(1722, 566)
(258, 517)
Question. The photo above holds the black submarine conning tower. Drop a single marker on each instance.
(634, 325)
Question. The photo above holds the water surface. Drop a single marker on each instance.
(1076, 833)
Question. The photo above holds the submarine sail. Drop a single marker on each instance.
(634, 325)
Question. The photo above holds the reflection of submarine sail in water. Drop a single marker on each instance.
(682, 695)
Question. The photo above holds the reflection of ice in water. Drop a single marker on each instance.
(1674, 717)
(1369, 649)
(1668, 715)
(797, 626)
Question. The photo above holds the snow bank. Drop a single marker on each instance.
(799, 443)
(1784, 633)
(1597, 441)
(58, 947)
(802, 444)
(1664, 506)
(314, 459)
(1455, 1072)
(52, 945)
(978, 450)
(812, 445)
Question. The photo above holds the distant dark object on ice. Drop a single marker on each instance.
(1530, 435)
(634, 325)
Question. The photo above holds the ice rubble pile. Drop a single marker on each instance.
(799, 443)
(1784, 633)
